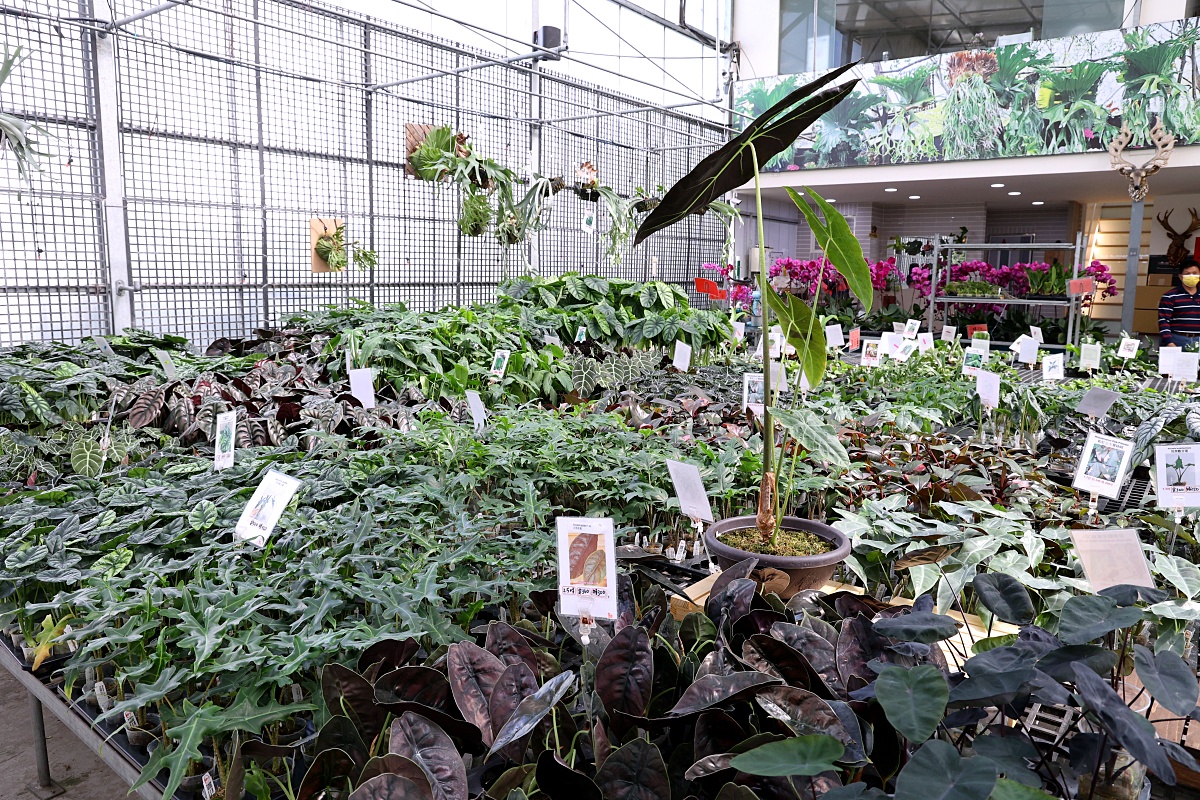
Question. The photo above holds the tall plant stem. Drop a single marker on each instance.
(764, 286)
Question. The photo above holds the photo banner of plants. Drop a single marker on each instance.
(1068, 95)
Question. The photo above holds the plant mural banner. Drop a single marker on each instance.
(1068, 95)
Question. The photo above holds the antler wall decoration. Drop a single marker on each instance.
(1178, 251)
(1164, 145)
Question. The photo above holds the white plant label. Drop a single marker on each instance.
(1185, 367)
(587, 567)
(987, 385)
(1128, 348)
(1096, 402)
(297, 693)
(654, 266)
(754, 392)
(1167, 357)
(1103, 464)
(1037, 334)
(130, 719)
(478, 412)
(948, 332)
(739, 331)
(898, 327)
(1089, 356)
(101, 693)
(588, 224)
(581, 335)
(262, 513)
(973, 361)
(1028, 352)
(904, 353)
(362, 386)
(682, 359)
(168, 364)
(552, 338)
(499, 364)
(104, 346)
(1052, 368)
(208, 787)
(912, 328)
(689, 488)
(1178, 480)
(226, 440)
(1112, 558)
(775, 340)
(870, 354)
(72, 645)
(779, 378)
(834, 337)
(805, 386)
(925, 342)
(1020, 340)
(889, 343)
(982, 345)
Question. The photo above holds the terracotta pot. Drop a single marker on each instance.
(806, 572)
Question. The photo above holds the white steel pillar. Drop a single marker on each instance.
(112, 185)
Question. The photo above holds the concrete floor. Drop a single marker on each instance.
(72, 766)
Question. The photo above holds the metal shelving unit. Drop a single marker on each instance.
(1072, 304)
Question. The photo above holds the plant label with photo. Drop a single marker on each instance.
(973, 361)
(1185, 367)
(987, 386)
(834, 336)
(499, 364)
(925, 342)
(362, 386)
(974, 329)
(1112, 558)
(754, 392)
(1178, 481)
(898, 327)
(1096, 402)
(912, 328)
(1081, 286)
(870, 355)
(478, 412)
(689, 488)
(682, 359)
(1103, 464)
(948, 332)
(739, 331)
(1053, 368)
(1037, 334)
(1089, 356)
(588, 224)
(225, 441)
(168, 364)
(855, 338)
(1128, 348)
(261, 514)
(587, 567)
(581, 334)
(1028, 352)
(104, 346)
(906, 350)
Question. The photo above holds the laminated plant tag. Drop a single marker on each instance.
(104, 346)
(889, 344)
(855, 338)
(1167, 356)
(1128, 348)
(168, 364)
(1028, 352)
(130, 719)
(551, 338)
(1178, 480)
(362, 386)
(898, 327)
(588, 224)
(478, 412)
(225, 440)
(805, 386)
(587, 567)
(753, 392)
(1102, 464)
(912, 328)
(925, 341)
(581, 335)
(101, 693)
(499, 364)
(987, 385)
(834, 336)
(1016, 344)
(775, 340)
(208, 787)
(1081, 286)
(948, 332)
(1096, 402)
(1185, 366)
(689, 488)
(1089, 356)
(1052, 368)
(653, 266)
(297, 693)
(870, 355)
(973, 361)
(982, 345)
(682, 359)
(739, 331)
(1112, 558)
(974, 329)
(1037, 334)
(906, 350)
(266, 507)
(779, 377)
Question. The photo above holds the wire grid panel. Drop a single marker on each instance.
(54, 278)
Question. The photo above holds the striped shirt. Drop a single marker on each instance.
(1178, 314)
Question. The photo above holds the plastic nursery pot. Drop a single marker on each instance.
(141, 736)
(194, 783)
(1126, 786)
(806, 572)
(110, 686)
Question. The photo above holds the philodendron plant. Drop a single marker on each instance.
(737, 163)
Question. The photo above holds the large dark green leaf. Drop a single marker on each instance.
(733, 165)
(838, 242)
(1004, 596)
(635, 771)
(1058, 662)
(1085, 618)
(914, 699)
(625, 672)
(1007, 789)
(1168, 678)
(855, 791)
(803, 331)
(814, 434)
(533, 709)
(919, 626)
(473, 672)
(938, 772)
(1133, 731)
(800, 755)
(419, 740)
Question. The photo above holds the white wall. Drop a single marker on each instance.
(756, 29)
(1162, 11)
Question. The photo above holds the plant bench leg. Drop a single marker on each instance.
(44, 788)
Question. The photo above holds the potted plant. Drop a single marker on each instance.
(807, 550)
(1047, 281)
(587, 179)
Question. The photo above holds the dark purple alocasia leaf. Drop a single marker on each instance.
(531, 711)
(423, 685)
(560, 782)
(392, 764)
(349, 694)
(601, 745)
(423, 742)
(854, 650)
(801, 712)
(329, 768)
(473, 673)
(625, 672)
(732, 603)
(391, 787)
(714, 691)
(787, 662)
(342, 733)
(732, 791)
(507, 644)
(716, 732)
(816, 649)
(392, 653)
(742, 569)
(635, 771)
(759, 620)
(516, 683)
(511, 779)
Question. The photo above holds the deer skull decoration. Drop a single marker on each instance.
(1178, 251)
(1164, 145)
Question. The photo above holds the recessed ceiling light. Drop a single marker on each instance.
(891, 189)
(1014, 194)
(997, 185)
(1038, 203)
(914, 197)
(830, 199)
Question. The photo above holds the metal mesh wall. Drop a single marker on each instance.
(240, 120)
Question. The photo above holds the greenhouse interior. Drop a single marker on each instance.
(600, 400)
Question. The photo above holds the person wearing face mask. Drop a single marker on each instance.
(1179, 309)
